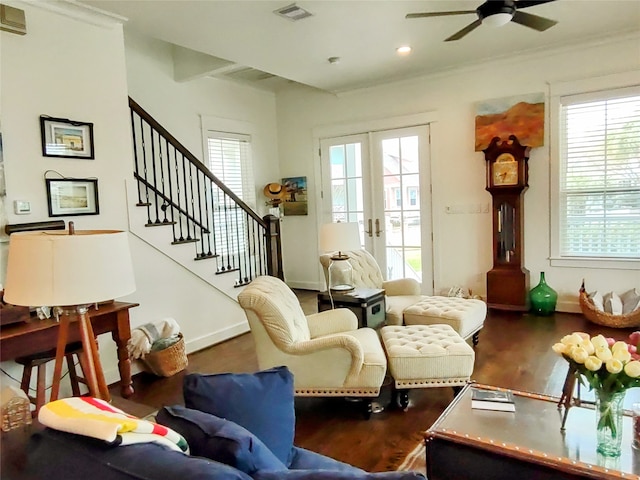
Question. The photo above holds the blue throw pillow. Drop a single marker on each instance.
(219, 439)
(261, 402)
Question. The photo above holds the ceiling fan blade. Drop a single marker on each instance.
(533, 21)
(438, 14)
(530, 3)
(464, 31)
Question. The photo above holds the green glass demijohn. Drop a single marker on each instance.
(543, 298)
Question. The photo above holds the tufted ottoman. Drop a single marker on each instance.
(423, 356)
(465, 315)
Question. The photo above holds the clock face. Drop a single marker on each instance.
(505, 170)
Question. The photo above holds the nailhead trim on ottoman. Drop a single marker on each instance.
(465, 315)
(421, 356)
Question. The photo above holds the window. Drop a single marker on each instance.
(598, 176)
(230, 161)
(413, 196)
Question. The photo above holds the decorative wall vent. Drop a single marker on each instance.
(12, 20)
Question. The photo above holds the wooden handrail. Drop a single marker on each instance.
(197, 163)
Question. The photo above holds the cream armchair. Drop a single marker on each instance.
(327, 353)
(400, 293)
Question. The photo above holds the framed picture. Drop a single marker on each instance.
(66, 138)
(72, 196)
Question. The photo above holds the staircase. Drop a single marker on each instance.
(180, 208)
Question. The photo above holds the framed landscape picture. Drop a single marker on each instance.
(66, 197)
(295, 200)
(66, 138)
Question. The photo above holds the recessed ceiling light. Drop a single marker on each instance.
(403, 50)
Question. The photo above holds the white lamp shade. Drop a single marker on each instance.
(57, 269)
(340, 237)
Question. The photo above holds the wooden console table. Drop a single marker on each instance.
(35, 335)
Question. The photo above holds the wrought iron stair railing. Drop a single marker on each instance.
(179, 191)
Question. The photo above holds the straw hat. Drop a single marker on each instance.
(274, 190)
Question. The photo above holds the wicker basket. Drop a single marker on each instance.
(169, 361)
(607, 319)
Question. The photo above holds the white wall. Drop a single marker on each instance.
(180, 106)
(72, 69)
(462, 242)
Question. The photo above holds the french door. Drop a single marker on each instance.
(381, 181)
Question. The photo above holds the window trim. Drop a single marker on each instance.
(556, 92)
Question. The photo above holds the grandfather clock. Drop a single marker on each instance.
(507, 180)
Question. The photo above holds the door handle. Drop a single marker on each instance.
(370, 231)
(378, 231)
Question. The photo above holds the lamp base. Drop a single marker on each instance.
(342, 288)
(340, 274)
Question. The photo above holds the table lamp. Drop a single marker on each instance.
(340, 237)
(72, 270)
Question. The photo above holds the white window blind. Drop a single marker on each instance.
(230, 161)
(599, 195)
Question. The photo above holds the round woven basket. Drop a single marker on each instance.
(169, 361)
(606, 319)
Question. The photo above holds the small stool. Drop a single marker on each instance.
(40, 361)
(465, 315)
(424, 356)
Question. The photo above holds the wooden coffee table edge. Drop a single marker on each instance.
(516, 451)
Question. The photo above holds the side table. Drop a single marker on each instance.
(367, 303)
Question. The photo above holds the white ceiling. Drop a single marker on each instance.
(364, 34)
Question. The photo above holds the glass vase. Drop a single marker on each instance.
(609, 422)
(543, 298)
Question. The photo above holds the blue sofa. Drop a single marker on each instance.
(238, 426)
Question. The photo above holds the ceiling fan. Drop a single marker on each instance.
(497, 13)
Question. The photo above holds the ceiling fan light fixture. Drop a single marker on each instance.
(403, 50)
(497, 19)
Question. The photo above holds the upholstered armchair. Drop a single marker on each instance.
(400, 293)
(327, 353)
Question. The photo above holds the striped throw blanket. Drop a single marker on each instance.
(96, 418)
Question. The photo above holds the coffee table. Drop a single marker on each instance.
(466, 443)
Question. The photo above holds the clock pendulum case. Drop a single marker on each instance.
(507, 180)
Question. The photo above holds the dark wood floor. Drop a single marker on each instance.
(514, 352)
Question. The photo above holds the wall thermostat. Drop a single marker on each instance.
(21, 207)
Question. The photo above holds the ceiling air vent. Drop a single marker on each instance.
(293, 12)
(248, 74)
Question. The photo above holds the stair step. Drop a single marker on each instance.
(206, 256)
(159, 224)
(143, 204)
(185, 240)
(229, 270)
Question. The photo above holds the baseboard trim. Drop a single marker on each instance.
(112, 375)
(214, 338)
(306, 285)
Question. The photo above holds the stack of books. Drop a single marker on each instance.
(492, 400)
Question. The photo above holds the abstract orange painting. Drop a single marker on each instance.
(522, 116)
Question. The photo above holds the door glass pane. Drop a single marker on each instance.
(401, 180)
(347, 203)
(337, 160)
(354, 165)
(391, 156)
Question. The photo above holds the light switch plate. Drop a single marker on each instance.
(21, 207)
